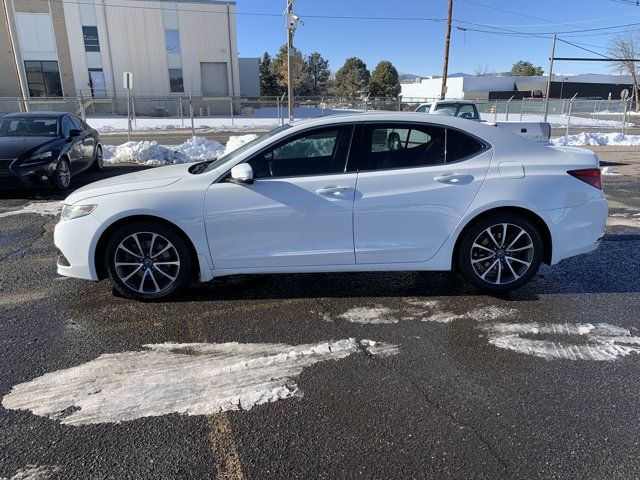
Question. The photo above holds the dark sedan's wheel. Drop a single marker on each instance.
(98, 161)
(500, 253)
(147, 261)
(61, 178)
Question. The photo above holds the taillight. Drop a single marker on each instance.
(592, 176)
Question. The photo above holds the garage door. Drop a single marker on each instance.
(214, 79)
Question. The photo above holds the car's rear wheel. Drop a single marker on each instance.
(500, 253)
(147, 261)
(98, 161)
(61, 178)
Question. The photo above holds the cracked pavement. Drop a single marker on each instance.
(448, 405)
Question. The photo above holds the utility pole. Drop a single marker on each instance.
(546, 97)
(292, 23)
(22, 81)
(445, 65)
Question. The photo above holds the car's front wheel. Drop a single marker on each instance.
(147, 261)
(61, 178)
(500, 253)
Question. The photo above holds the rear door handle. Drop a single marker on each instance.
(455, 178)
(331, 190)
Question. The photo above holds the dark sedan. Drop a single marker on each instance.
(46, 149)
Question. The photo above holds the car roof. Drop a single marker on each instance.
(35, 114)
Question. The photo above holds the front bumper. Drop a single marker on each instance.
(576, 230)
(13, 175)
(76, 240)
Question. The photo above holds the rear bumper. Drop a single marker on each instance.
(576, 230)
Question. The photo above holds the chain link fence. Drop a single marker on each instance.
(203, 114)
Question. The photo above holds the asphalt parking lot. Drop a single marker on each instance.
(540, 384)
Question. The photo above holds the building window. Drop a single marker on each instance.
(172, 38)
(175, 80)
(43, 78)
(91, 41)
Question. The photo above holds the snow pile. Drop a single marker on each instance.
(609, 171)
(597, 138)
(238, 141)
(195, 149)
(199, 148)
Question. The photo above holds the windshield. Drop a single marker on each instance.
(29, 127)
(238, 151)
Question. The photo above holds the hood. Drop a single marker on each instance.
(14, 147)
(151, 178)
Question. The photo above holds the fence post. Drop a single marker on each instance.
(569, 116)
(181, 113)
(231, 104)
(128, 115)
(193, 129)
(521, 108)
(83, 114)
(133, 112)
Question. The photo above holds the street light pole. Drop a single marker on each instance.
(445, 64)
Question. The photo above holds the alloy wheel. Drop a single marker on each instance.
(147, 262)
(502, 253)
(63, 173)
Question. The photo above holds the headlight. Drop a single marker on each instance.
(69, 212)
(39, 157)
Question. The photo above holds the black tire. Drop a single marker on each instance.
(98, 160)
(61, 178)
(475, 260)
(151, 278)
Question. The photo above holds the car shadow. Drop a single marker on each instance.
(82, 179)
(613, 268)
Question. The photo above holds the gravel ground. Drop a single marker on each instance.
(449, 403)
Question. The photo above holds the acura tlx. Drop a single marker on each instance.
(361, 192)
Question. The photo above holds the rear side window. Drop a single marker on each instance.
(402, 146)
(460, 145)
(319, 152)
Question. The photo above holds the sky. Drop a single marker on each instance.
(415, 44)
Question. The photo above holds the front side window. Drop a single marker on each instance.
(172, 39)
(176, 83)
(320, 152)
(67, 126)
(423, 108)
(467, 111)
(29, 127)
(91, 41)
(402, 146)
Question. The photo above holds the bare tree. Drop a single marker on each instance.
(481, 70)
(625, 47)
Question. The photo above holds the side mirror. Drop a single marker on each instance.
(242, 173)
(74, 132)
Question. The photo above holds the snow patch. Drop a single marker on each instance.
(34, 472)
(604, 342)
(189, 378)
(373, 315)
(237, 141)
(597, 138)
(39, 208)
(609, 171)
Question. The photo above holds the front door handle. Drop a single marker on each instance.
(455, 178)
(331, 190)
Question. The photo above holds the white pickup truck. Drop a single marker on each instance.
(537, 131)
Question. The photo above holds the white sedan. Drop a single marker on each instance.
(364, 192)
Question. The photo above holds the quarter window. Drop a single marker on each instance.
(461, 145)
(320, 152)
(389, 146)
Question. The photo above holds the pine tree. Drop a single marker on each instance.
(352, 79)
(316, 74)
(384, 81)
(268, 83)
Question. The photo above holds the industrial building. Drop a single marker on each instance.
(75, 48)
(595, 86)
